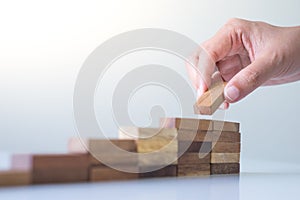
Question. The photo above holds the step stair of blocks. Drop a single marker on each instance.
(179, 147)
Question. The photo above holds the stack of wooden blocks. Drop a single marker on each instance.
(203, 147)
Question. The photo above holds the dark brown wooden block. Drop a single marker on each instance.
(226, 126)
(200, 136)
(205, 147)
(225, 136)
(225, 168)
(226, 147)
(53, 168)
(103, 173)
(193, 158)
(187, 123)
(168, 171)
(15, 178)
(194, 170)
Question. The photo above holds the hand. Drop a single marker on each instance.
(247, 55)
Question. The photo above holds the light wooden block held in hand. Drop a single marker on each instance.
(211, 100)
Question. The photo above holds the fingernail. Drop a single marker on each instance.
(232, 93)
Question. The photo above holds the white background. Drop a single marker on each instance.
(44, 43)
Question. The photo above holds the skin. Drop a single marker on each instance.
(247, 55)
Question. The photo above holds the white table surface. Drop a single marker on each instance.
(245, 186)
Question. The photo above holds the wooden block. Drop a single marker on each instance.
(151, 145)
(225, 168)
(109, 145)
(157, 159)
(194, 170)
(168, 171)
(225, 157)
(226, 147)
(53, 168)
(59, 176)
(108, 174)
(202, 147)
(194, 135)
(193, 158)
(95, 146)
(200, 136)
(186, 123)
(211, 100)
(226, 126)
(119, 159)
(225, 136)
(15, 178)
(147, 133)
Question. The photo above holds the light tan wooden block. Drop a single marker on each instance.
(225, 157)
(225, 168)
(108, 174)
(167, 171)
(161, 145)
(194, 170)
(193, 159)
(211, 100)
(158, 159)
(53, 168)
(226, 126)
(186, 123)
(95, 146)
(226, 147)
(147, 133)
(15, 178)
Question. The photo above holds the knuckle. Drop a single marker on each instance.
(235, 21)
(252, 78)
(235, 24)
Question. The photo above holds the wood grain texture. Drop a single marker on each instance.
(202, 147)
(211, 100)
(225, 136)
(225, 168)
(53, 168)
(193, 158)
(95, 146)
(15, 178)
(226, 147)
(157, 159)
(114, 159)
(200, 136)
(225, 157)
(151, 145)
(194, 170)
(226, 126)
(195, 135)
(168, 171)
(186, 123)
(147, 133)
(109, 174)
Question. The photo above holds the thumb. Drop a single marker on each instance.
(247, 80)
